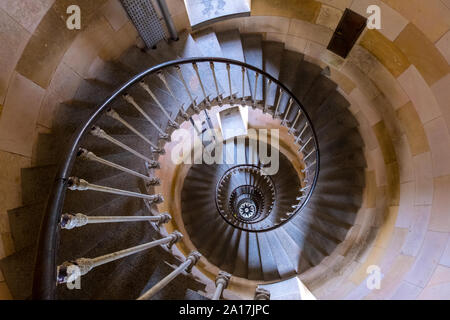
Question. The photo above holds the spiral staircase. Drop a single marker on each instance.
(254, 226)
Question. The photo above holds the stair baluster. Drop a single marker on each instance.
(131, 101)
(222, 280)
(83, 185)
(113, 114)
(280, 96)
(243, 83)
(286, 113)
(299, 137)
(162, 77)
(305, 145)
(180, 75)
(88, 155)
(219, 98)
(292, 128)
(71, 221)
(197, 130)
(256, 89)
(195, 66)
(150, 92)
(69, 271)
(187, 266)
(262, 294)
(309, 166)
(269, 83)
(98, 132)
(309, 154)
(229, 82)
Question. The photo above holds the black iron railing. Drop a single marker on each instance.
(45, 273)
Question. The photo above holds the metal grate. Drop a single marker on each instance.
(146, 20)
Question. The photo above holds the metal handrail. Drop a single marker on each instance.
(44, 282)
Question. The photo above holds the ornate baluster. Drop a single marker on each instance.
(305, 188)
(150, 92)
(222, 280)
(287, 111)
(71, 270)
(305, 144)
(195, 66)
(195, 126)
(308, 167)
(180, 75)
(98, 132)
(280, 96)
(70, 221)
(161, 76)
(113, 114)
(309, 154)
(299, 137)
(78, 184)
(219, 97)
(88, 155)
(269, 83)
(291, 129)
(131, 101)
(243, 83)
(187, 266)
(229, 81)
(256, 89)
(262, 294)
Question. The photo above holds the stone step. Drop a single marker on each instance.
(36, 183)
(253, 54)
(241, 261)
(272, 54)
(268, 262)
(86, 201)
(231, 45)
(218, 248)
(209, 46)
(128, 235)
(186, 47)
(306, 75)
(284, 265)
(293, 251)
(290, 62)
(229, 258)
(255, 271)
(25, 224)
(73, 242)
(18, 270)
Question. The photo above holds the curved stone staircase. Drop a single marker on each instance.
(228, 238)
(299, 244)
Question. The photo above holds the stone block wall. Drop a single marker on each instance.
(397, 80)
(42, 64)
